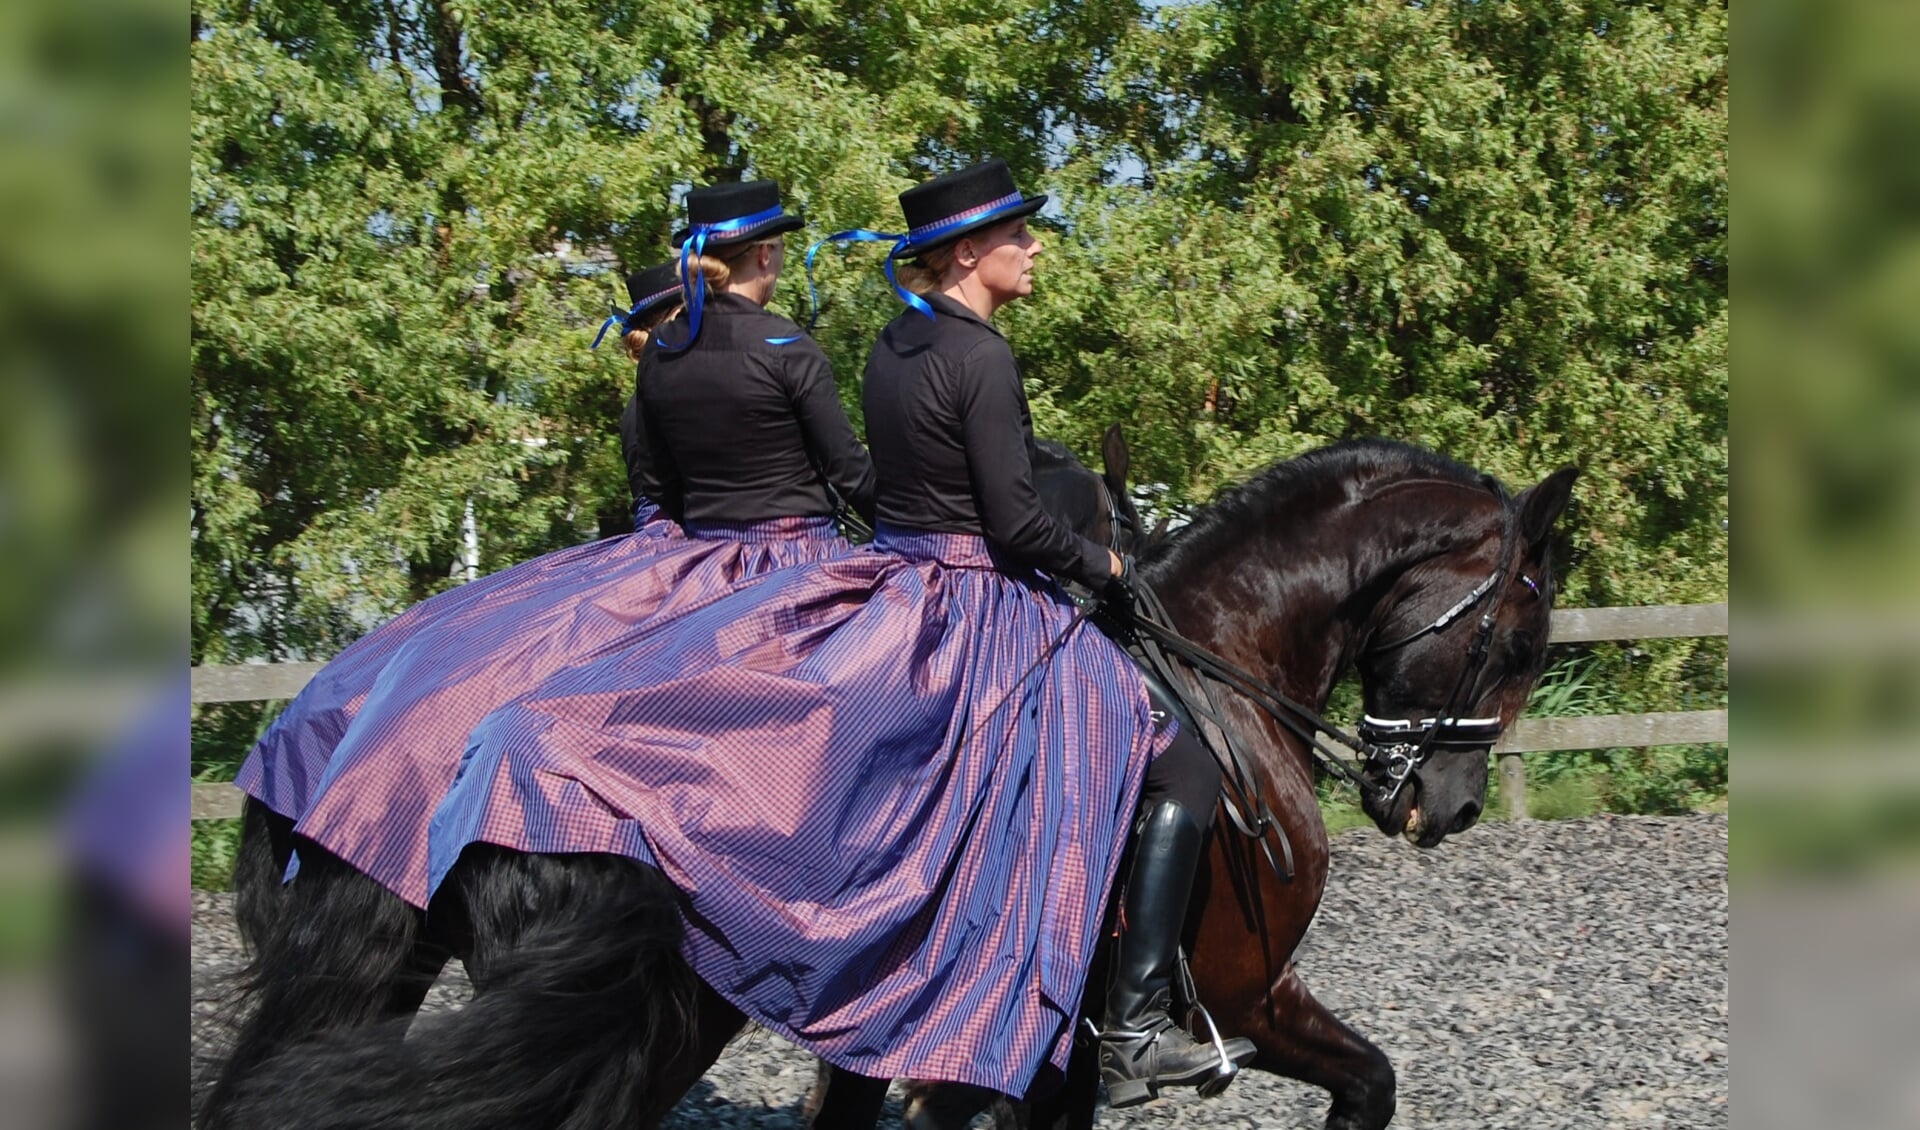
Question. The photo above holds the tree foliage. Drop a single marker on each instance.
(1498, 229)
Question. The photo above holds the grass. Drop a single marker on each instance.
(1565, 798)
(215, 843)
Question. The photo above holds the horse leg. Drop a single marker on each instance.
(1070, 1107)
(1298, 1038)
(945, 1106)
(715, 1022)
(845, 1100)
(338, 952)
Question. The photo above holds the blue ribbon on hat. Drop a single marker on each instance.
(622, 318)
(617, 318)
(900, 243)
(696, 286)
(862, 235)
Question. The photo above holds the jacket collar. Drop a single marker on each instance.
(951, 308)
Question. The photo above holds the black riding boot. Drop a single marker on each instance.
(1142, 1050)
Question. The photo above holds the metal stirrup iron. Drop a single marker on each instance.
(1224, 1075)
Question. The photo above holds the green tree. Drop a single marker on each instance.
(1498, 229)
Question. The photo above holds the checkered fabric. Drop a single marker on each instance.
(894, 849)
(285, 766)
(396, 756)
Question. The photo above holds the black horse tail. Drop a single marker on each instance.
(332, 950)
(580, 995)
(266, 844)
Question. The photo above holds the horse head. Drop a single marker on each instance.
(1449, 655)
(1424, 574)
(1095, 506)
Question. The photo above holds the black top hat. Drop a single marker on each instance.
(753, 206)
(651, 289)
(953, 204)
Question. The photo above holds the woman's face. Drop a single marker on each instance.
(1006, 253)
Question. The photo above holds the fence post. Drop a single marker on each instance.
(1513, 785)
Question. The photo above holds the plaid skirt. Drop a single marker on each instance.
(396, 757)
(285, 765)
(893, 788)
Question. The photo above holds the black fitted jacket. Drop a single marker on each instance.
(952, 440)
(744, 426)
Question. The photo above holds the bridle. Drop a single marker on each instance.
(1400, 746)
(1396, 747)
(1114, 518)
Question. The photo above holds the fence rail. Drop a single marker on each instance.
(255, 682)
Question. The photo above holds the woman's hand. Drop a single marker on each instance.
(1115, 566)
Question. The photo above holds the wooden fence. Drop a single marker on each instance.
(253, 682)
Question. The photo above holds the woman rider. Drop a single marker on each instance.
(894, 787)
(968, 272)
(753, 512)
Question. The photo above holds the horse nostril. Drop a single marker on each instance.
(1468, 814)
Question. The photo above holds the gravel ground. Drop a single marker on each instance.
(1544, 975)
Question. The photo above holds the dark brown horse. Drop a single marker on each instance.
(1357, 555)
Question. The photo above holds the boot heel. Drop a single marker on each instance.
(1129, 1092)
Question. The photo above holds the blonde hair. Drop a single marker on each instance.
(719, 268)
(924, 273)
(635, 339)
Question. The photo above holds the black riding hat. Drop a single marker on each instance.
(649, 290)
(953, 204)
(753, 205)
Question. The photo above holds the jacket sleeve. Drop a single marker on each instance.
(824, 427)
(633, 449)
(995, 431)
(650, 468)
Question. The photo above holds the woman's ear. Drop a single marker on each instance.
(965, 253)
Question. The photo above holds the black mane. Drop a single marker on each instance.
(1053, 453)
(1266, 496)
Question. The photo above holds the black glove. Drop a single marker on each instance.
(1118, 598)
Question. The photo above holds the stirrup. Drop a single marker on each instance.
(1224, 1074)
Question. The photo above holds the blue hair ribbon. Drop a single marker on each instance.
(862, 235)
(696, 286)
(900, 243)
(618, 318)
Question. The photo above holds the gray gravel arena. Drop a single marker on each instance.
(1541, 975)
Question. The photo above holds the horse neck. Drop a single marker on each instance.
(1295, 597)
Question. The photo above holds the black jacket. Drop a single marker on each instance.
(742, 426)
(952, 440)
(633, 448)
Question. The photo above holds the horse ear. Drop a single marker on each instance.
(1118, 460)
(1542, 504)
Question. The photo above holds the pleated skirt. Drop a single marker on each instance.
(395, 758)
(892, 787)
